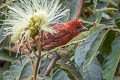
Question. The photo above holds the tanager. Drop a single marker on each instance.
(65, 32)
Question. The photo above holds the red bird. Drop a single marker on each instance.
(66, 32)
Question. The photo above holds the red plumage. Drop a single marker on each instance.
(65, 32)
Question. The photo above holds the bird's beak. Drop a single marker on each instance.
(84, 29)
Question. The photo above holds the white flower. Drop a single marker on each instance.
(26, 17)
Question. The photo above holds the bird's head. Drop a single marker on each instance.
(75, 27)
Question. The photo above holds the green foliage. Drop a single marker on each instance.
(94, 48)
(84, 48)
(73, 6)
(1, 31)
(19, 70)
(6, 55)
(112, 60)
(94, 71)
(97, 51)
(60, 74)
(72, 71)
(107, 44)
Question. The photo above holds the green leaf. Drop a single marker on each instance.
(1, 33)
(71, 70)
(103, 3)
(106, 16)
(1, 73)
(19, 71)
(108, 21)
(94, 71)
(119, 6)
(4, 41)
(43, 77)
(117, 21)
(98, 16)
(84, 47)
(73, 6)
(107, 44)
(6, 55)
(39, 77)
(95, 4)
(60, 75)
(112, 60)
(94, 48)
(87, 1)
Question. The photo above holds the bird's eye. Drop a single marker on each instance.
(77, 28)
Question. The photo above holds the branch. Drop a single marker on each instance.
(79, 9)
(31, 60)
(39, 45)
(106, 9)
(90, 10)
(51, 65)
(93, 23)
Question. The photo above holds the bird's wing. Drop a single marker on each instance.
(57, 42)
(61, 32)
(58, 39)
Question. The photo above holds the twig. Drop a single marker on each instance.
(51, 65)
(106, 9)
(32, 62)
(90, 10)
(45, 68)
(34, 52)
(39, 45)
(102, 9)
(74, 42)
(92, 23)
(79, 9)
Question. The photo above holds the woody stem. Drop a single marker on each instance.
(32, 62)
(78, 13)
(39, 45)
(51, 65)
